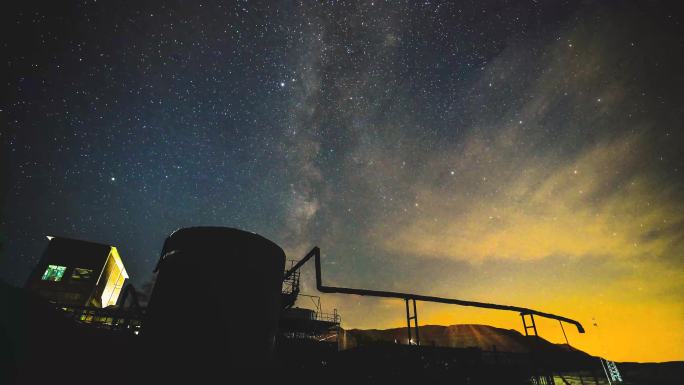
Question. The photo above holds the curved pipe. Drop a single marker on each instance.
(316, 252)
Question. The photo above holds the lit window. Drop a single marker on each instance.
(54, 273)
(81, 274)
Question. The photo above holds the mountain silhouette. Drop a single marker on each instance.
(484, 337)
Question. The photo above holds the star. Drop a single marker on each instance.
(324, 124)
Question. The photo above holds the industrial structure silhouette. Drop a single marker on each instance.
(222, 308)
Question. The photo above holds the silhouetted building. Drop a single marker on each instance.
(78, 273)
(223, 309)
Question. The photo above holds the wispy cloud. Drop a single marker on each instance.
(594, 204)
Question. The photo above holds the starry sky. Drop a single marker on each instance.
(519, 152)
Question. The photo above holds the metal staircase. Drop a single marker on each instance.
(612, 372)
(290, 290)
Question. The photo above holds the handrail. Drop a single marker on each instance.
(316, 252)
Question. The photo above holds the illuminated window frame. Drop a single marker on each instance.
(81, 274)
(54, 273)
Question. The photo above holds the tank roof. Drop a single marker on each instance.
(216, 234)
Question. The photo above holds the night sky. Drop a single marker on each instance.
(520, 152)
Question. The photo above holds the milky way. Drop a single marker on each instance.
(515, 152)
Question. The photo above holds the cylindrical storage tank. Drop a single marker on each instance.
(216, 301)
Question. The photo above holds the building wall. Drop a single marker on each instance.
(78, 273)
(112, 280)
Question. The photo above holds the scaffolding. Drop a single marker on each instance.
(303, 324)
(290, 291)
(122, 318)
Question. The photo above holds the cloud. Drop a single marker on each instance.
(540, 179)
(594, 204)
(556, 162)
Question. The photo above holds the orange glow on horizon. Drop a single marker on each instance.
(586, 238)
(580, 217)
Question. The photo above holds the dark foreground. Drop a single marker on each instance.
(39, 345)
